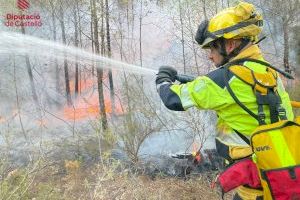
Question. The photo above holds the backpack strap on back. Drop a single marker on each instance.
(264, 86)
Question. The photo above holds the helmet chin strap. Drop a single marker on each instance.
(235, 52)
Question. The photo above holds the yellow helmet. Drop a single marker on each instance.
(241, 21)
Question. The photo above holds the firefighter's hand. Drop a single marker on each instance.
(166, 74)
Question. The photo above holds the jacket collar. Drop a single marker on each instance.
(252, 51)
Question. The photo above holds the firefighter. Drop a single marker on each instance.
(230, 35)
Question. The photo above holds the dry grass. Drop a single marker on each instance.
(142, 187)
(70, 181)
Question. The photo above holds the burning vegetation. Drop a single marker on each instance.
(79, 122)
(86, 103)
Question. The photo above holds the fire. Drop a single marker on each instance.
(88, 108)
(196, 152)
(86, 105)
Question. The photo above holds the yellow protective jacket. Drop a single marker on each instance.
(209, 92)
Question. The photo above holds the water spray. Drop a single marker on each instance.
(20, 44)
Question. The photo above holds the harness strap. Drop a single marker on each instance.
(282, 113)
(261, 113)
(272, 99)
(226, 77)
(285, 74)
(242, 136)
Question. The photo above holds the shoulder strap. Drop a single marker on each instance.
(271, 99)
(275, 109)
(285, 74)
(226, 68)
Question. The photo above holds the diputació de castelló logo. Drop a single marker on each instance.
(23, 17)
(23, 4)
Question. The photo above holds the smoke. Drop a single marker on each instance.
(26, 126)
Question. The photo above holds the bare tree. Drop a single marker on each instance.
(54, 32)
(287, 15)
(76, 43)
(182, 36)
(138, 124)
(66, 68)
(92, 34)
(18, 102)
(110, 77)
(29, 71)
(204, 9)
(99, 70)
(191, 30)
(216, 6)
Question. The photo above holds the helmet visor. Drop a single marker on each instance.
(203, 36)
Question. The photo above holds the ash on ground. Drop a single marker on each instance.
(182, 167)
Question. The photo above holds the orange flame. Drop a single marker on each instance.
(87, 104)
(196, 153)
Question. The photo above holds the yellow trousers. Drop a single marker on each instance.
(249, 194)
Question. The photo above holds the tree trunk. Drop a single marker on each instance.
(66, 69)
(140, 45)
(99, 70)
(18, 102)
(193, 44)
(286, 63)
(102, 33)
(204, 9)
(29, 71)
(80, 42)
(121, 36)
(216, 6)
(141, 20)
(182, 36)
(110, 77)
(92, 35)
(55, 39)
(76, 45)
(126, 85)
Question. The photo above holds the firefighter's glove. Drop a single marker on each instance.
(165, 74)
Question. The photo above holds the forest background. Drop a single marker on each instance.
(58, 142)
